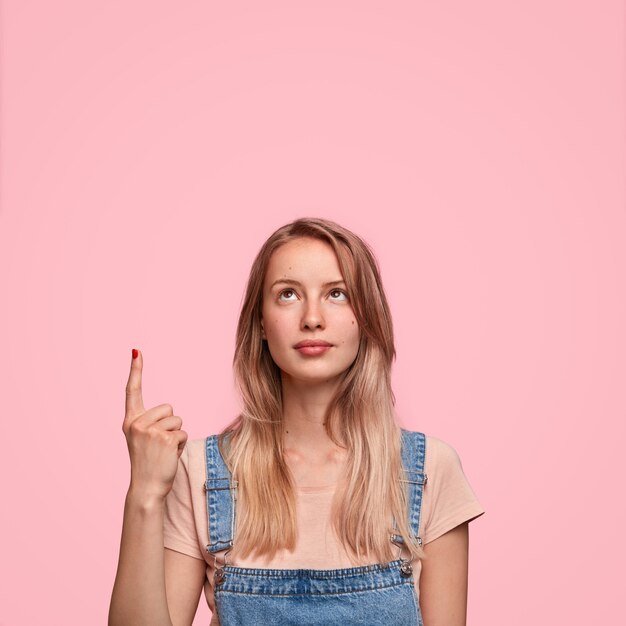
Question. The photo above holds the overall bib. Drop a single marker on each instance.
(372, 595)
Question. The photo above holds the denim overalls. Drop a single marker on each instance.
(372, 595)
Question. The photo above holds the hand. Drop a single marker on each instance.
(154, 438)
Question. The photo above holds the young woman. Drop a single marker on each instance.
(313, 506)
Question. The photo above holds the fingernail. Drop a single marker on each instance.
(135, 353)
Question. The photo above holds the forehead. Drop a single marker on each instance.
(303, 259)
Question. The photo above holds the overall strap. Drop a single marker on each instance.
(221, 494)
(413, 459)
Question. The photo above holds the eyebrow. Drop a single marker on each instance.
(290, 281)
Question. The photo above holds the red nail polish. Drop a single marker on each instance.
(135, 353)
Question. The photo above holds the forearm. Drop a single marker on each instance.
(139, 597)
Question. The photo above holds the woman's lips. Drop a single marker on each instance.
(313, 350)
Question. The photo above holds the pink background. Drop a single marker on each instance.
(148, 149)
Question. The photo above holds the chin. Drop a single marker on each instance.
(313, 378)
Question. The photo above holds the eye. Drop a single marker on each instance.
(285, 291)
(339, 291)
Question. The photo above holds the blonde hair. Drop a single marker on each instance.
(361, 415)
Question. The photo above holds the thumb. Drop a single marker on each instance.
(134, 399)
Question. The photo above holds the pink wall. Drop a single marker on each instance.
(148, 148)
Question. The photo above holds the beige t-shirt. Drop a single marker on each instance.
(448, 500)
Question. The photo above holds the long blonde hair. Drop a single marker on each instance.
(361, 415)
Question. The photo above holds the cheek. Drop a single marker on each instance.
(274, 328)
(352, 334)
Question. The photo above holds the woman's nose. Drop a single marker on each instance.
(312, 317)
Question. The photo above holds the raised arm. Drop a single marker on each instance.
(155, 442)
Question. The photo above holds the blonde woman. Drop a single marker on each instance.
(313, 506)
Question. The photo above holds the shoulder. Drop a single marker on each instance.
(437, 450)
(449, 499)
(440, 457)
(190, 477)
(193, 459)
(194, 449)
(442, 460)
(441, 451)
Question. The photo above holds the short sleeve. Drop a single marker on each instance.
(448, 499)
(179, 531)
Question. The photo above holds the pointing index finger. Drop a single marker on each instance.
(134, 399)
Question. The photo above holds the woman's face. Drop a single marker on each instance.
(304, 298)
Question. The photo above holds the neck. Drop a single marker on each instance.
(304, 412)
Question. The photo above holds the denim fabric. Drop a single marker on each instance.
(372, 595)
